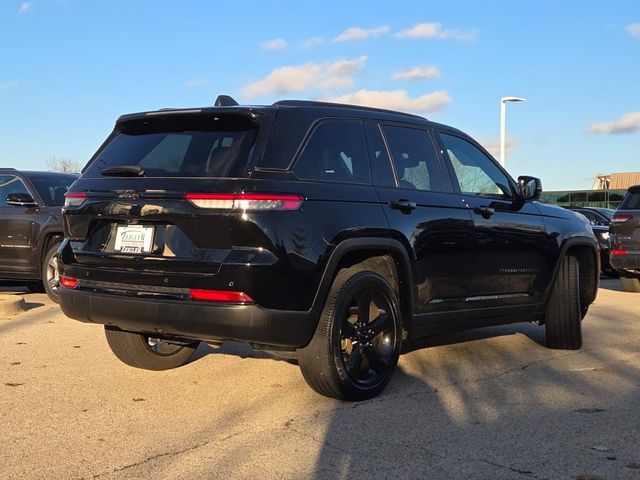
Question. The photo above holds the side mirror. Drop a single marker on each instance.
(21, 200)
(530, 187)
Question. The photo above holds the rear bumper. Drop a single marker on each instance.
(190, 319)
(627, 265)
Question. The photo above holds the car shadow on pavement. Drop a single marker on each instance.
(238, 349)
(492, 404)
(611, 284)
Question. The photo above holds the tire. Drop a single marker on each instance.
(357, 342)
(563, 319)
(147, 352)
(50, 274)
(630, 284)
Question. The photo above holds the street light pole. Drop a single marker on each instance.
(503, 122)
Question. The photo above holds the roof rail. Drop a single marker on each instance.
(7, 168)
(312, 103)
(225, 101)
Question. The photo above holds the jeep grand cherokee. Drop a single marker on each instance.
(329, 232)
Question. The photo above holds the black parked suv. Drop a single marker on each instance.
(331, 232)
(31, 227)
(625, 240)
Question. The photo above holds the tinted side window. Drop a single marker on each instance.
(476, 173)
(52, 187)
(10, 184)
(335, 152)
(631, 201)
(592, 217)
(414, 158)
(381, 170)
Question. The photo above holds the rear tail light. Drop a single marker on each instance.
(619, 218)
(618, 252)
(74, 199)
(220, 296)
(245, 201)
(68, 282)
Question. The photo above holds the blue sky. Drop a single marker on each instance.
(69, 68)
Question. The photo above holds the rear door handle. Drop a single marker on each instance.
(486, 212)
(405, 206)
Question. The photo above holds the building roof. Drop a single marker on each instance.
(616, 181)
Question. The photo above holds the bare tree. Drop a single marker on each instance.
(63, 164)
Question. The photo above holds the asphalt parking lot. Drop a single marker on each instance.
(490, 404)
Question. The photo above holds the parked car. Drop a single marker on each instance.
(31, 227)
(625, 240)
(330, 232)
(600, 218)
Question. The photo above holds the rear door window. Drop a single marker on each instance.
(414, 157)
(335, 152)
(52, 187)
(218, 150)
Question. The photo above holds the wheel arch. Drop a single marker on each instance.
(586, 252)
(388, 257)
(47, 242)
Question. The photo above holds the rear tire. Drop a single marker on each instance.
(50, 273)
(563, 319)
(630, 284)
(147, 352)
(357, 342)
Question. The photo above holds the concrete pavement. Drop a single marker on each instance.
(491, 403)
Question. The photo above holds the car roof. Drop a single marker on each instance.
(314, 108)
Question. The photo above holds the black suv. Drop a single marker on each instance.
(331, 232)
(625, 240)
(31, 227)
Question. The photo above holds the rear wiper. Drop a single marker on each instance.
(123, 171)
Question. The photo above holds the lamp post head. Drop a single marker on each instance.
(512, 99)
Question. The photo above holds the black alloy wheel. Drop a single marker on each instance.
(357, 342)
(367, 337)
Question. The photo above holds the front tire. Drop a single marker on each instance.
(357, 342)
(563, 319)
(630, 284)
(147, 352)
(50, 273)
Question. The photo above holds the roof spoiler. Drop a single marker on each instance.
(225, 101)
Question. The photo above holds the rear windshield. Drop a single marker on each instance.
(631, 201)
(179, 148)
(52, 187)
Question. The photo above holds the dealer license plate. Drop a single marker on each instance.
(134, 239)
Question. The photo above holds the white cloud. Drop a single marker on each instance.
(196, 83)
(493, 145)
(310, 76)
(433, 30)
(633, 29)
(25, 7)
(356, 33)
(274, 44)
(396, 100)
(428, 72)
(628, 123)
(312, 42)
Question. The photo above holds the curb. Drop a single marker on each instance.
(11, 304)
